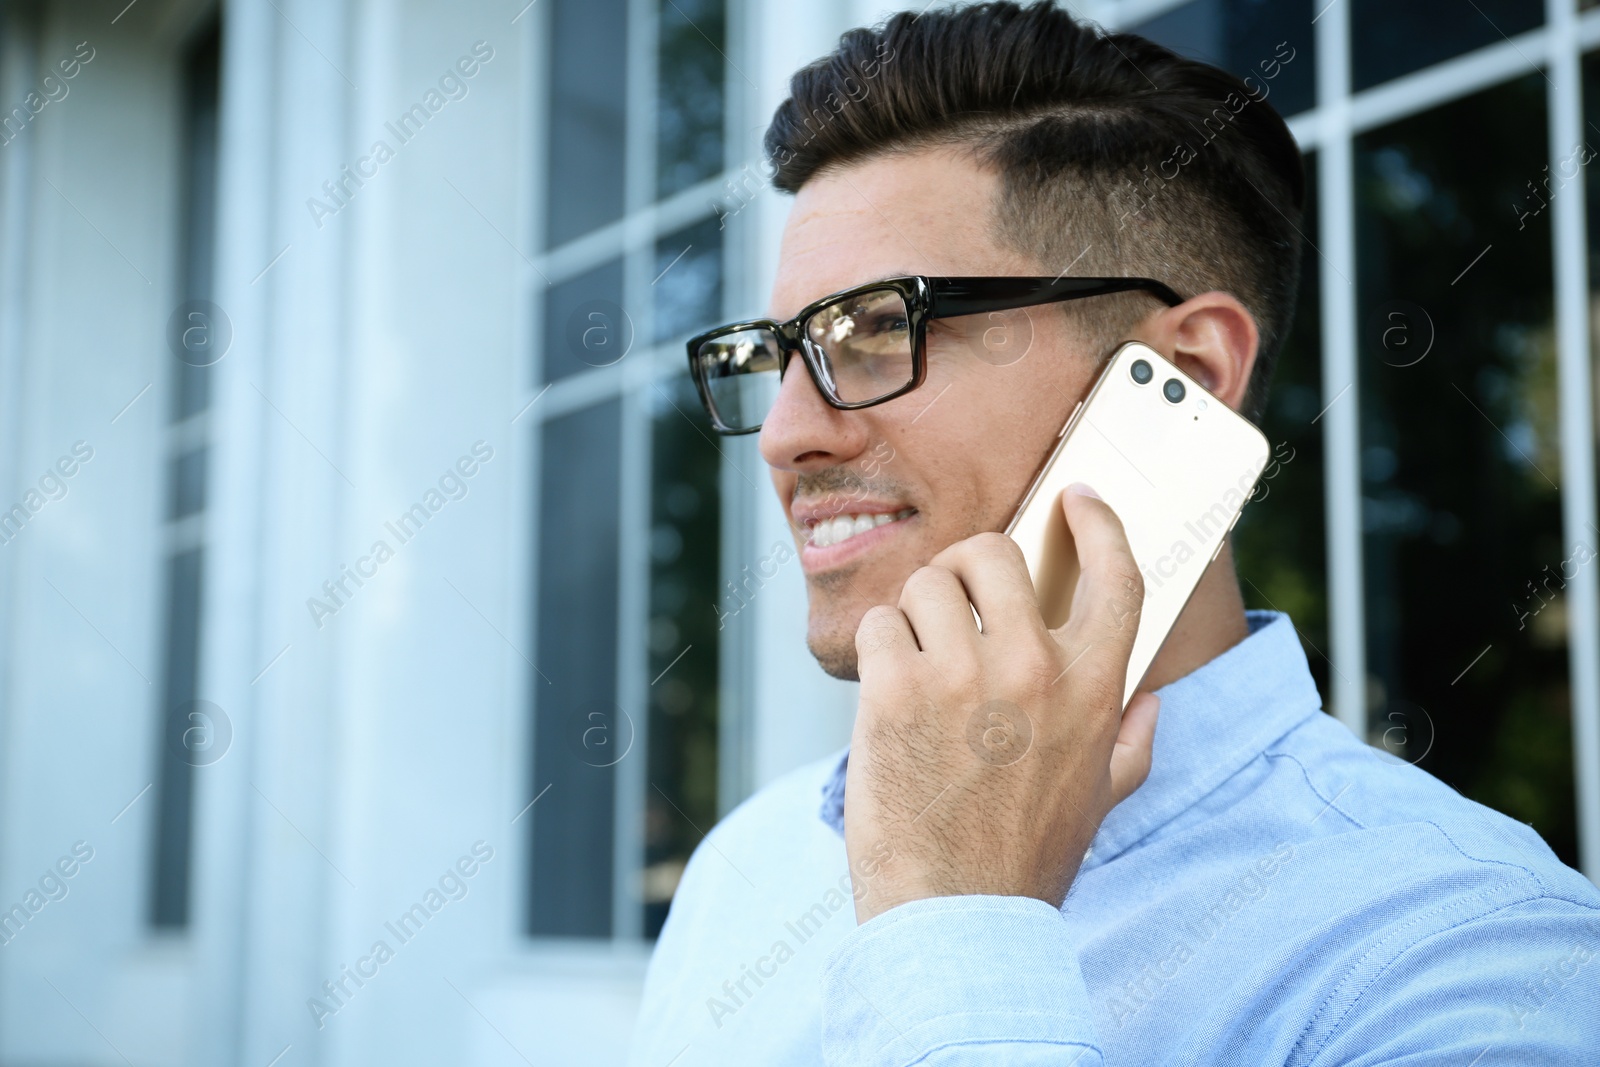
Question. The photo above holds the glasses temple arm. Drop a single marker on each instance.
(948, 297)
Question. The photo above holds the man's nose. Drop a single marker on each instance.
(803, 431)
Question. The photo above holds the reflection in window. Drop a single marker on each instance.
(578, 727)
(585, 325)
(688, 286)
(186, 484)
(685, 620)
(1269, 41)
(1280, 542)
(1588, 150)
(588, 98)
(1388, 39)
(1467, 637)
(690, 83)
(180, 673)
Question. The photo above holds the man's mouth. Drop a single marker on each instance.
(826, 533)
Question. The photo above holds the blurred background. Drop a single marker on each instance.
(381, 625)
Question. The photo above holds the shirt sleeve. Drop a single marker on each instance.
(1519, 985)
(951, 981)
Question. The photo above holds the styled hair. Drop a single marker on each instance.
(1116, 156)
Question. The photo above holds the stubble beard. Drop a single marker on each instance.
(833, 646)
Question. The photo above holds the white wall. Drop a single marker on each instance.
(88, 224)
(369, 353)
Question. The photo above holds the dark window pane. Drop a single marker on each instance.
(1561, 173)
(685, 618)
(689, 93)
(584, 323)
(188, 484)
(1466, 641)
(1584, 157)
(688, 280)
(192, 390)
(1279, 544)
(1388, 39)
(588, 97)
(1269, 42)
(193, 384)
(577, 724)
(169, 901)
(178, 713)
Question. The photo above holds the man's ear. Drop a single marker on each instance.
(1212, 338)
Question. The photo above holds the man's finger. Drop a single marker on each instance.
(1110, 593)
(883, 631)
(935, 603)
(994, 573)
(1131, 755)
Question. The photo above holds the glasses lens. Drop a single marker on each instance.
(865, 341)
(740, 371)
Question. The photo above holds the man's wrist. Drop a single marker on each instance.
(888, 889)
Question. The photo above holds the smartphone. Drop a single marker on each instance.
(1177, 466)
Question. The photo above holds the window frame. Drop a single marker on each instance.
(635, 381)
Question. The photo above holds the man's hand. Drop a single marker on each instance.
(985, 762)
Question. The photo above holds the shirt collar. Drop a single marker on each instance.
(1214, 720)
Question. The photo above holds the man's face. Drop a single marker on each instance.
(951, 458)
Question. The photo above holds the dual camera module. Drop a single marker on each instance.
(1142, 373)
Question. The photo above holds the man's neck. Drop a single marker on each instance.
(1211, 623)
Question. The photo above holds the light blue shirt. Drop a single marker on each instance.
(1277, 892)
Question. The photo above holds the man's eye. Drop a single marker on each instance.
(886, 324)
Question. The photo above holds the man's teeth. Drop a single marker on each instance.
(843, 527)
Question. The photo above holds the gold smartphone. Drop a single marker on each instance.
(1175, 463)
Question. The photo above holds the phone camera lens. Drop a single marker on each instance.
(1173, 390)
(1141, 372)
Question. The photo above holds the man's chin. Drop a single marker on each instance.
(836, 657)
(837, 604)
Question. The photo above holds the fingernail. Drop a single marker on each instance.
(1082, 490)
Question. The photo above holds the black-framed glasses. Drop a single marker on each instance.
(864, 345)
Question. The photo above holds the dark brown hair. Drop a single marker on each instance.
(1116, 155)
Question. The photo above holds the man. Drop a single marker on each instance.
(1247, 884)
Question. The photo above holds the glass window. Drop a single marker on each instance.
(577, 722)
(1280, 542)
(1466, 633)
(1271, 41)
(185, 726)
(588, 102)
(685, 528)
(584, 323)
(1388, 39)
(610, 843)
(690, 85)
(181, 669)
(688, 281)
(1584, 156)
(193, 383)
(188, 483)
